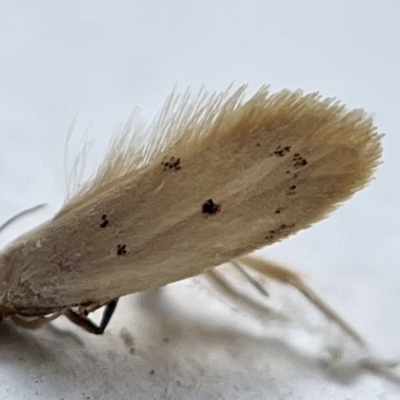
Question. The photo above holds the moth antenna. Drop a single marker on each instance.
(20, 215)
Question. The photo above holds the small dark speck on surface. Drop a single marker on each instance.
(127, 338)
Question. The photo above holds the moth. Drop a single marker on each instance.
(214, 179)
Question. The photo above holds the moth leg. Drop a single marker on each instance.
(87, 324)
(217, 280)
(287, 276)
(256, 284)
(33, 323)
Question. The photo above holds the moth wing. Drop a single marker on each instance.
(220, 178)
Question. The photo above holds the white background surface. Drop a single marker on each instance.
(96, 61)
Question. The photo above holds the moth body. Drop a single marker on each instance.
(219, 178)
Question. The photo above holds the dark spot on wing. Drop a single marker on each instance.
(173, 164)
(292, 190)
(105, 221)
(299, 161)
(282, 231)
(210, 208)
(121, 249)
(281, 151)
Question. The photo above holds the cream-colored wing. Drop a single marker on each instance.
(219, 178)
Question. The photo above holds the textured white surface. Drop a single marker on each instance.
(96, 61)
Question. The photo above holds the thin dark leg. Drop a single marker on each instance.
(87, 324)
(107, 314)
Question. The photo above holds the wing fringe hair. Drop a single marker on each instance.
(187, 121)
